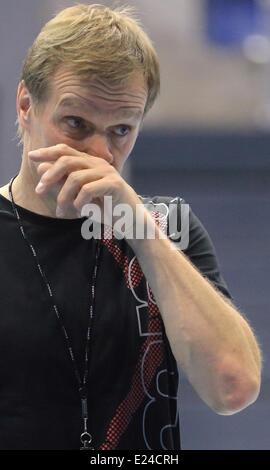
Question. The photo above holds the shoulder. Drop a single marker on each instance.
(178, 212)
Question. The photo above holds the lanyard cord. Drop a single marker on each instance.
(85, 437)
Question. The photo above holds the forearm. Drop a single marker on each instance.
(210, 340)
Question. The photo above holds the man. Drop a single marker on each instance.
(93, 331)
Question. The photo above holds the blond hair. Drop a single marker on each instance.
(93, 40)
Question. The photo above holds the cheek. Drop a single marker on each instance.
(119, 163)
(48, 133)
(125, 153)
(121, 158)
(51, 135)
(42, 134)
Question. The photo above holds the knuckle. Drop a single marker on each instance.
(116, 182)
(65, 159)
(73, 178)
(85, 189)
(111, 170)
(62, 147)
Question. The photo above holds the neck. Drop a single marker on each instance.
(23, 190)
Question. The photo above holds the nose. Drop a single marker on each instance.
(98, 146)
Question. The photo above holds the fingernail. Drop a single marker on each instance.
(34, 153)
(40, 187)
(59, 212)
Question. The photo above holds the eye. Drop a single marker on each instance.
(124, 130)
(75, 122)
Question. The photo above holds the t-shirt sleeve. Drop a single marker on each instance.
(201, 251)
(199, 248)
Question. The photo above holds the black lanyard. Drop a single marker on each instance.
(85, 437)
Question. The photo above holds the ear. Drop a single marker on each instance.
(23, 105)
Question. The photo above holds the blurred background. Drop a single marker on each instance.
(206, 139)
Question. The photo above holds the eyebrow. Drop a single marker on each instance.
(123, 112)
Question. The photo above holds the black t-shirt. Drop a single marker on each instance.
(133, 376)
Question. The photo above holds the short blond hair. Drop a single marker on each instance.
(93, 40)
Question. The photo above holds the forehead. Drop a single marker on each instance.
(69, 90)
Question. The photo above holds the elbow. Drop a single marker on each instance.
(237, 391)
(239, 399)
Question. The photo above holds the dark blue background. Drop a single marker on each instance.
(230, 21)
(226, 179)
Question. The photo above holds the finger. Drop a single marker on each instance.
(43, 167)
(41, 188)
(66, 165)
(52, 153)
(73, 185)
(62, 167)
(91, 191)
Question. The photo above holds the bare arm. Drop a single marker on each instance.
(210, 339)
